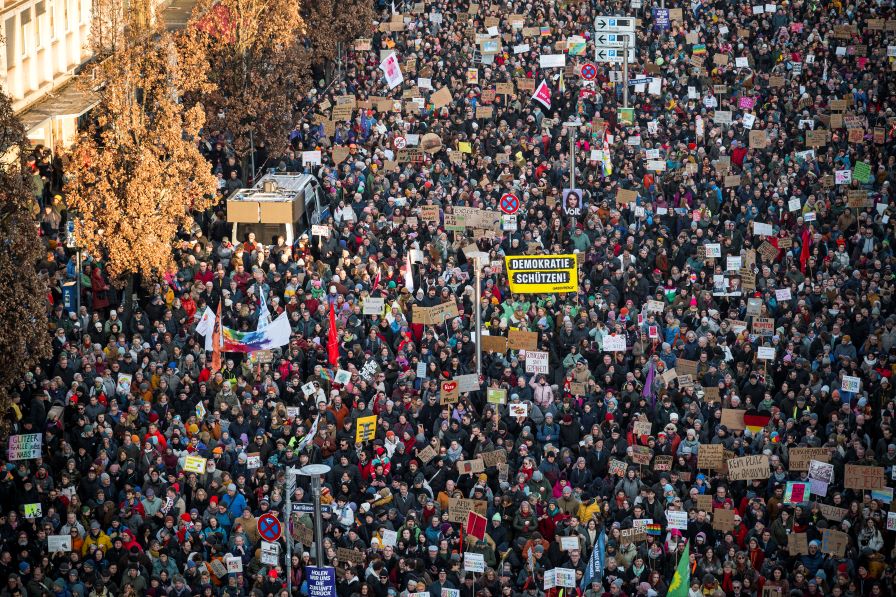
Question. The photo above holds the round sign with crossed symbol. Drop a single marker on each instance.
(400, 142)
(589, 71)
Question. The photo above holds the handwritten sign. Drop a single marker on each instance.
(748, 468)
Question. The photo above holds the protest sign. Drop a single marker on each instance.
(366, 429)
(536, 362)
(59, 543)
(723, 519)
(25, 446)
(469, 467)
(857, 476)
(449, 392)
(797, 544)
(711, 456)
(834, 542)
(747, 468)
(195, 464)
(552, 274)
(522, 340)
(493, 458)
(733, 418)
(800, 457)
(459, 508)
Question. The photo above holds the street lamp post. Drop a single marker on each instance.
(315, 472)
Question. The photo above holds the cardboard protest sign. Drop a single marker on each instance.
(711, 456)
(522, 340)
(748, 468)
(663, 462)
(449, 392)
(493, 458)
(704, 502)
(723, 519)
(469, 467)
(686, 367)
(800, 457)
(797, 544)
(641, 454)
(494, 344)
(857, 476)
(460, 508)
(834, 542)
(733, 418)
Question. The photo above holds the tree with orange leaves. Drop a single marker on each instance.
(135, 178)
(23, 290)
(257, 65)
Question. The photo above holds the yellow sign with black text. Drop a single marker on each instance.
(542, 274)
(366, 429)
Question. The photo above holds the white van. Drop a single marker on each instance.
(278, 205)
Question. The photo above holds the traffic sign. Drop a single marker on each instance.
(305, 508)
(510, 203)
(589, 71)
(613, 55)
(400, 142)
(269, 528)
(613, 24)
(614, 40)
(641, 81)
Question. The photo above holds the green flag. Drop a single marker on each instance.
(681, 582)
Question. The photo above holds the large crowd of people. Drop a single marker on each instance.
(731, 230)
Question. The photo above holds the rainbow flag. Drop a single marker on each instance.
(654, 529)
(274, 335)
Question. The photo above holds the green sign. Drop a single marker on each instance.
(496, 395)
(627, 115)
(862, 172)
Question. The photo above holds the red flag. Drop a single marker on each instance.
(217, 341)
(476, 525)
(804, 251)
(543, 94)
(332, 340)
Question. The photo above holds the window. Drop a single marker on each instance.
(27, 32)
(40, 16)
(11, 39)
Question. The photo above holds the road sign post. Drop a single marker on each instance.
(510, 203)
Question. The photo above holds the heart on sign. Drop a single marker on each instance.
(449, 386)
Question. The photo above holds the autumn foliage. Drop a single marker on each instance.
(135, 177)
(257, 65)
(23, 291)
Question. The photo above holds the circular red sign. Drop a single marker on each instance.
(589, 71)
(400, 142)
(510, 203)
(269, 527)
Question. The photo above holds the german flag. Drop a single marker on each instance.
(755, 420)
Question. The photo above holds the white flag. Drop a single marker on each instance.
(408, 273)
(206, 327)
(392, 70)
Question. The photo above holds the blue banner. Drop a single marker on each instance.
(595, 568)
(321, 581)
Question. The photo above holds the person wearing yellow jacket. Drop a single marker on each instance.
(97, 537)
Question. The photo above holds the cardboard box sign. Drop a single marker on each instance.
(459, 508)
(748, 468)
(864, 477)
(800, 457)
(522, 340)
(722, 519)
(711, 456)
